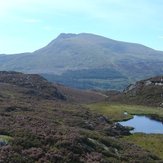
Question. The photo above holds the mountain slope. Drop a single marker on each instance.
(80, 96)
(34, 128)
(73, 54)
(35, 84)
(145, 92)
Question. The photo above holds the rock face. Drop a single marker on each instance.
(2, 143)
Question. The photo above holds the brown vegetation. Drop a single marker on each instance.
(44, 127)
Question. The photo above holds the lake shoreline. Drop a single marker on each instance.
(143, 124)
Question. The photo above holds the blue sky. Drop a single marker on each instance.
(27, 25)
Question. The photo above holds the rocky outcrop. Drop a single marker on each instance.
(144, 84)
(144, 92)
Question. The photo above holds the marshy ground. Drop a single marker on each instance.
(115, 111)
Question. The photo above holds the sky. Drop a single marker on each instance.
(27, 25)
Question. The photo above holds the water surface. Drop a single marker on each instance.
(144, 124)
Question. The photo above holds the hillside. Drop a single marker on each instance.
(35, 84)
(88, 61)
(34, 128)
(79, 96)
(145, 92)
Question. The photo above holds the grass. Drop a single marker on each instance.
(150, 142)
(116, 111)
(5, 138)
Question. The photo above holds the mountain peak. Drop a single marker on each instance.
(66, 35)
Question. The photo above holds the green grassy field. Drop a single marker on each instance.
(5, 138)
(150, 142)
(116, 111)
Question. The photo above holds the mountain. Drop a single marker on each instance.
(38, 125)
(88, 61)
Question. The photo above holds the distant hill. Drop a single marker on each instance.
(88, 61)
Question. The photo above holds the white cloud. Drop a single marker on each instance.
(32, 21)
(94, 8)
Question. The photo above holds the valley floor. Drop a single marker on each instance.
(115, 111)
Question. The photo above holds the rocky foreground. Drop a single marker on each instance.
(39, 124)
